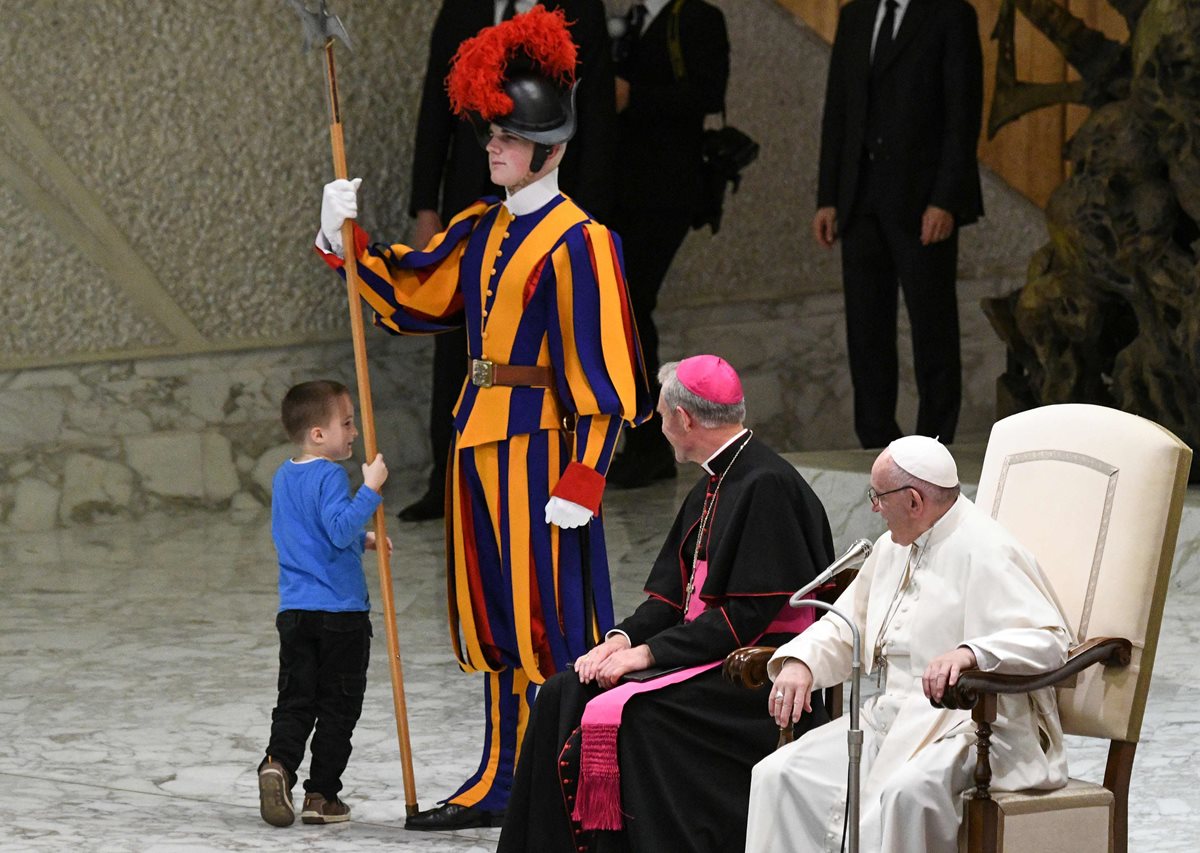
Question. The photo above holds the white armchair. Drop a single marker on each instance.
(1097, 495)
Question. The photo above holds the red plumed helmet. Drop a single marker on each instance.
(520, 75)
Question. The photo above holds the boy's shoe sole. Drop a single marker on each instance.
(318, 810)
(315, 817)
(274, 798)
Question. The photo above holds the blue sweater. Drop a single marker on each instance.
(318, 532)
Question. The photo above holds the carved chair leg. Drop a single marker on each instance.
(833, 701)
(982, 813)
(983, 821)
(1116, 778)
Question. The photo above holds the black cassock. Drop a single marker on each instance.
(686, 750)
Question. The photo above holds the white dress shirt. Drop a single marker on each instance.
(521, 6)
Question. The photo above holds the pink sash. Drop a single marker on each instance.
(598, 798)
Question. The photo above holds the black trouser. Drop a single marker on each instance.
(878, 254)
(649, 241)
(449, 372)
(322, 677)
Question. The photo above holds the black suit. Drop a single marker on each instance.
(660, 136)
(450, 169)
(898, 136)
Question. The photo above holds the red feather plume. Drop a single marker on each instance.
(480, 66)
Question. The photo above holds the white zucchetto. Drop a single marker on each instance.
(926, 459)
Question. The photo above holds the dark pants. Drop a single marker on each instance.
(449, 372)
(322, 677)
(878, 254)
(650, 240)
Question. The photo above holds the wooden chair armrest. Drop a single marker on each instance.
(747, 666)
(972, 685)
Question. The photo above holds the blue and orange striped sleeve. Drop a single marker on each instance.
(596, 354)
(413, 292)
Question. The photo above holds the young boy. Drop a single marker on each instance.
(323, 622)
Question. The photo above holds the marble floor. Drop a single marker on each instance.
(137, 675)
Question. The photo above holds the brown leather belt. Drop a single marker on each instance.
(486, 373)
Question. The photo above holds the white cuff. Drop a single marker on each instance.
(322, 243)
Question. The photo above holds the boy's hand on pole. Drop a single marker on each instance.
(375, 473)
(370, 544)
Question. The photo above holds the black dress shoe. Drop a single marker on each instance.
(635, 470)
(453, 816)
(429, 505)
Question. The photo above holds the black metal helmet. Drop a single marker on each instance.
(520, 76)
(542, 111)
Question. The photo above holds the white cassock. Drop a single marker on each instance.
(965, 581)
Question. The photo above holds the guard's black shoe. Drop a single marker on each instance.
(429, 505)
(635, 470)
(453, 816)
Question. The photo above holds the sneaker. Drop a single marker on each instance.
(317, 809)
(275, 794)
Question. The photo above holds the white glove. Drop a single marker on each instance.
(566, 514)
(339, 202)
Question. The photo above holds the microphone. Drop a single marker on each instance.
(854, 557)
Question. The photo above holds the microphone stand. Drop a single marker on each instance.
(854, 737)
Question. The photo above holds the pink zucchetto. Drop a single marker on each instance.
(711, 378)
(926, 459)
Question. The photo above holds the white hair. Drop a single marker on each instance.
(707, 413)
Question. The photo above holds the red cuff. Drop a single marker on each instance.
(361, 240)
(582, 485)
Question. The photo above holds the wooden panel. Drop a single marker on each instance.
(1028, 152)
(819, 15)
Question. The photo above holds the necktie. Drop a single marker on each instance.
(624, 47)
(637, 17)
(883, 42)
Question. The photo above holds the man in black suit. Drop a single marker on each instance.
(450, 171)
(898, 178)
(672, 72)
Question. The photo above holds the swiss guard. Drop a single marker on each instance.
(555, 372)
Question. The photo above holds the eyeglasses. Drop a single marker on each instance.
(874, 496)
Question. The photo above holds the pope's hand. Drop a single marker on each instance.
(790, 693)
(339, 202)
(566, 514)
(943, 671)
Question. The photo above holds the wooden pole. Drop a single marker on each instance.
(367, 410)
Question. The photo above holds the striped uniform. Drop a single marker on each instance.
(544, 288)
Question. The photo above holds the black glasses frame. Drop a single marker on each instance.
(874, 496)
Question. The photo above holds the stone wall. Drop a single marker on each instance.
(160, 172)
(114, 441)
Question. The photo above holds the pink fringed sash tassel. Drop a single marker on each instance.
(598, 798)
